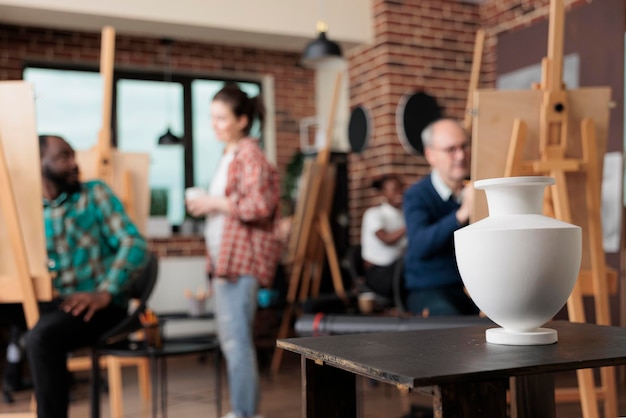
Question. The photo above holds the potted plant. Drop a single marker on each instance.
(158, 224)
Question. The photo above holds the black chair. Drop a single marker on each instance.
(357, 274)
(356, 267)
(140, 289)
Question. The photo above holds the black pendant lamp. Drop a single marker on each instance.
(322, 52)
(168, 138)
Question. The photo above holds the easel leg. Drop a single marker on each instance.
(513, 165)
(327, 236)
(283, 331)
(576, 311)
(306, 282)
(598, 264)
(317, 277)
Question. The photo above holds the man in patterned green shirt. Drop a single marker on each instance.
(94, 253)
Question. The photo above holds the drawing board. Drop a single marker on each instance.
(19, 140)
(492, 130)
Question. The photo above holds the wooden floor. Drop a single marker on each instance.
(191, 394)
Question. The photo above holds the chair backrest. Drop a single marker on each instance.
(140, 289)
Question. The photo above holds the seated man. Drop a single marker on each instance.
(94, 252)
(434, 208)
(383, 236)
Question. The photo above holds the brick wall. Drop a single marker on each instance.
(178, 246)
(419, 45)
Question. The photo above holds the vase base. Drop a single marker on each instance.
(540, 336)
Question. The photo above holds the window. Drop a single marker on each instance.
(69, 101)
(145, 110)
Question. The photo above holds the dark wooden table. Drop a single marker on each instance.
(469, 377)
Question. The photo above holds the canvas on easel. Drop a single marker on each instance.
(18, 137)
(24, 276)
(561, 133)
(129, 180)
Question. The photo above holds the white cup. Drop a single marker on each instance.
(194, 193)
(367, 301)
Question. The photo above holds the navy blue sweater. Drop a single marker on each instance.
(429, 261)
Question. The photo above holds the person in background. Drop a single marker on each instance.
(242, 238)
(383, 236)
(94, 253)
(434, 208)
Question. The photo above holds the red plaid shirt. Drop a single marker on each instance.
(250, 244)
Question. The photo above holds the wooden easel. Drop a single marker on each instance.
(311, 235)
(127, 175)
(574, 158)
(24, 276)
(477, 59)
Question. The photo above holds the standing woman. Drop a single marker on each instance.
(242, 239)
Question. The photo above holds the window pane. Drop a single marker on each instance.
(145, 110)
(206, 148)
(68, 103)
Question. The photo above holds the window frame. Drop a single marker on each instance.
(184, 78)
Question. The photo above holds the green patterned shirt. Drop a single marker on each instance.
(92, 244)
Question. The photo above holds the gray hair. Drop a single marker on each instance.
(427, 132)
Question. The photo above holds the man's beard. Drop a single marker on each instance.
(61, 181)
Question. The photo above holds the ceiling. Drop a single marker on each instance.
(286, 25)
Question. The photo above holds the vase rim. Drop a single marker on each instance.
(515, 181)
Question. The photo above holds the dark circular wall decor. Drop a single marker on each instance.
(413, 114)
(359, 129)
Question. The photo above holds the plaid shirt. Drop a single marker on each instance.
(92, 244)
(250, 244)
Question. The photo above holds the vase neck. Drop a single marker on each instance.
(515, 199)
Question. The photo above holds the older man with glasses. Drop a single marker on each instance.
(434, 208)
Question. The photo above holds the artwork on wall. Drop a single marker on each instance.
(413, 114)
(359, 129)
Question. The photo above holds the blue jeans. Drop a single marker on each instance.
(235, 307)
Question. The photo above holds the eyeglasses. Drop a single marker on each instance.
(465, 147)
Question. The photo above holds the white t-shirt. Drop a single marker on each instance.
(373, 249)
(214, 224)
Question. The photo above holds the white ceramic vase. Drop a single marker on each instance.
(518, 266)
